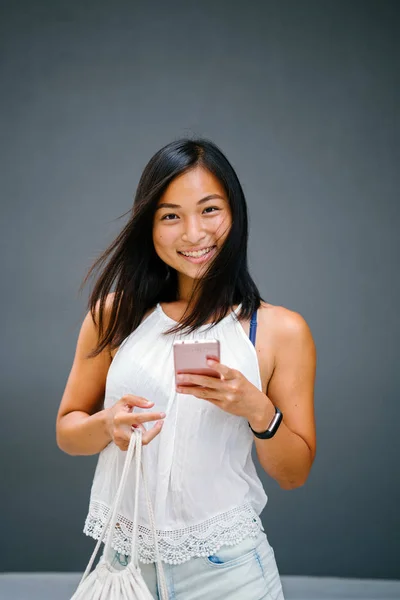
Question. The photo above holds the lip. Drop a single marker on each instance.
(197, 249)
(200, 259)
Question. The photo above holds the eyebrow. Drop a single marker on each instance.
(205, 199)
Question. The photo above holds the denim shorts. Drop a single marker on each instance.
(246, 571)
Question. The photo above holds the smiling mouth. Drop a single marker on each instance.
(198, 253)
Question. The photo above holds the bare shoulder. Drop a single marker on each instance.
(107, 307)
(283, 324)
(90, 330)
(89, 335)
(94, 315)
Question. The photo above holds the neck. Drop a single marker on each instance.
(185, 289)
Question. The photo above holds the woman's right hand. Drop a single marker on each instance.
(121, 418)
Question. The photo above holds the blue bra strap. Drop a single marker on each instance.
(253, 328)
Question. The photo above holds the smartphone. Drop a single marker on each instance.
(191, 357)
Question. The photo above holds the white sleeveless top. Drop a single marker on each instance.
(201, 476)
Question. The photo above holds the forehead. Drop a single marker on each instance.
(193, 185)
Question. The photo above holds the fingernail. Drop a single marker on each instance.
(211, 362)
(163, 415)
(161, 423)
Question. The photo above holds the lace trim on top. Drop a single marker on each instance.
(179, 545)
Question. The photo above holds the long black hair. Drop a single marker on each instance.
(139, 279)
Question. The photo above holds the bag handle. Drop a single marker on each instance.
(135, 446)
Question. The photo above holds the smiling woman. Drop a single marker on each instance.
(178, 272)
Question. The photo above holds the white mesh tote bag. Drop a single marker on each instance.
(105, 582)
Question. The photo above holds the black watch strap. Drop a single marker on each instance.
(272, 427)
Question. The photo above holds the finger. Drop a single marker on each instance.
(152, 432)
(223, 370)
(147, 435)
(132, 401)
(200, 392)
(137, 418)
(122, 438)
(203, 380)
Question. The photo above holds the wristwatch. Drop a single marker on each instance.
(272, 427)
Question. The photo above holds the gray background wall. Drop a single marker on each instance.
(303, 98)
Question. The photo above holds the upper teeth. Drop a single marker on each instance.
(198, 253)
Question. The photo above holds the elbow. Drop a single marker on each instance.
(299, 479)
(67, 450)
(62, 441)
(59, 439)
(291, 484)
(63, 446)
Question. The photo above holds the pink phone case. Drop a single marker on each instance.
(191, 357)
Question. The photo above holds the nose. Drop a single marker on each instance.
(193, 232)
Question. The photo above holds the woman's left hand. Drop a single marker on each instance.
(231, 392)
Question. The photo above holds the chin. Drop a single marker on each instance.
(194, 272)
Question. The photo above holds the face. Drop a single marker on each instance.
(191, 222)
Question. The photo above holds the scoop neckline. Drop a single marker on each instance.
(206, 325)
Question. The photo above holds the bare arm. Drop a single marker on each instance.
(288, 456)
(83, 426)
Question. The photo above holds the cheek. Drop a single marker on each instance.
(223, 225)
(163, 240)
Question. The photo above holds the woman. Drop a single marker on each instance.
(179, 271)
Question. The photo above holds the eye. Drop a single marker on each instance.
(211, 208)
(166, 217)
